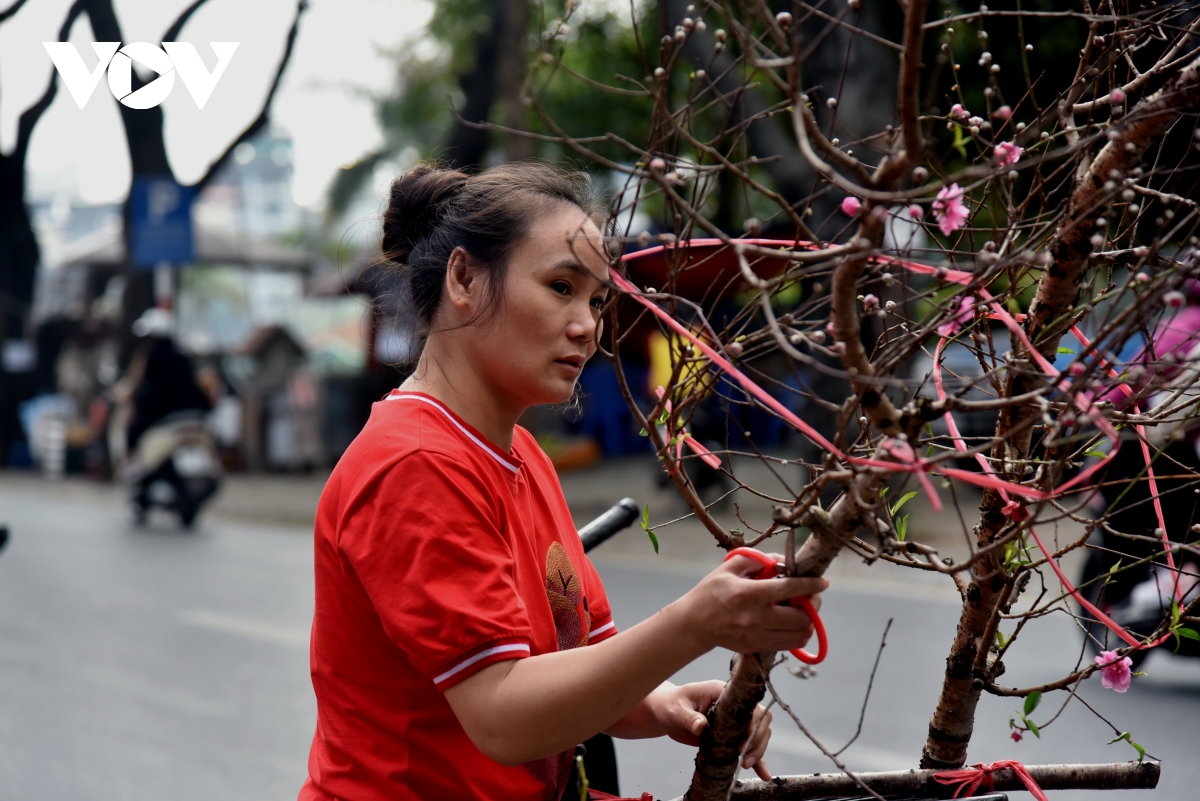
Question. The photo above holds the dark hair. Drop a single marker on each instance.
(432, 211)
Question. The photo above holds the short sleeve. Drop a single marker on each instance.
(602, 626)
(426, 542)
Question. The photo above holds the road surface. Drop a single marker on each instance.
(151, 664)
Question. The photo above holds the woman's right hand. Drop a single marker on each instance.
(731, 608)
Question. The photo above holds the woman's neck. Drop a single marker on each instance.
(465, 392)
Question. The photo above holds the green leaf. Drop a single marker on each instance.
(1033, 728)
(1001, 640)
(905, 498)
(902, 528)
(1066, 350)
(1031, 702)
(1137, 747)
(647, 529)
(643, 433)
(1096, 453)
(1112, 573)
(959, 140)
(1190, 634)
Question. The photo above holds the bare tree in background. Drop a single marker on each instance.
(144, 133)
(1063, 205)
(19, 252)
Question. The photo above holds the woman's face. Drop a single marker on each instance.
(532, 350)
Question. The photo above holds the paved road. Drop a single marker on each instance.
(157, 665)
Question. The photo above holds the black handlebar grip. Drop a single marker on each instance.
(615, 519)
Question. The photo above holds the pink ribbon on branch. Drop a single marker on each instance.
(907, 461)
(971, 779)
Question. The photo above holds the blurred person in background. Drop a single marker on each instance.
(161, 379)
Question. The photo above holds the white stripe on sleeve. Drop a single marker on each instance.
(466, 663)
(610, 624)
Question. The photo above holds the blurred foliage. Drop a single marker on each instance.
(418, 115)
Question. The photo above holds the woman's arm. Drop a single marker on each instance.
(525, 709)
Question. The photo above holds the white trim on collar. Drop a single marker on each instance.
(490, 450)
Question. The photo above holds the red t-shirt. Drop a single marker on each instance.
(436, 554)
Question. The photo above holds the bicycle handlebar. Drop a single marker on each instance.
(606, 525)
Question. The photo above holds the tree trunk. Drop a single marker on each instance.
(19, 252)
(514, 57)
(468, 143)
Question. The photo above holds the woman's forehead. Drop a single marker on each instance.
(570, 234)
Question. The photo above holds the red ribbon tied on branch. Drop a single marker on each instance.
(970, 779)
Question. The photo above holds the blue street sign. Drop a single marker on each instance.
(161, 219)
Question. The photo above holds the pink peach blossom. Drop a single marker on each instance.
(916, 212)
(949, 210)
(1116, 96)
(1115, 671)
(1007, 153)
(851, 206)
(959, 112)
(1016, 736)
(966, 310)
(1003, 113)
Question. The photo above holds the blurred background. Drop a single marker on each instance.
(193, 314)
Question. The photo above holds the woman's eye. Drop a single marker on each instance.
(598, 303)
(561, 287)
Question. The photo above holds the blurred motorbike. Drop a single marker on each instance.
(175, 467)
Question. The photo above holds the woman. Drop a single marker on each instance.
(453, 598)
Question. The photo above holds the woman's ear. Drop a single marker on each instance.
(464, 280)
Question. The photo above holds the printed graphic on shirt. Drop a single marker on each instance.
(572, 623)
(565, 591)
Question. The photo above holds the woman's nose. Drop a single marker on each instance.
(583, 324)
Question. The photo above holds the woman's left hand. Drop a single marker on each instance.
(681, 711)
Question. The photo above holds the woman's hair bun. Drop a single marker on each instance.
(417, 201)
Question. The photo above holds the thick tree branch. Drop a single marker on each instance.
(172, 33)
(264, 115)
(730, 718)
(29, 118)
(11, 10)
(1116, 776)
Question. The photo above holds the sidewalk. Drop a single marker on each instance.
(286, 500)
(291, 500)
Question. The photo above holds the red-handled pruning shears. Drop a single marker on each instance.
(771, 570)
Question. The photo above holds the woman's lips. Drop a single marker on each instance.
(570, 364)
